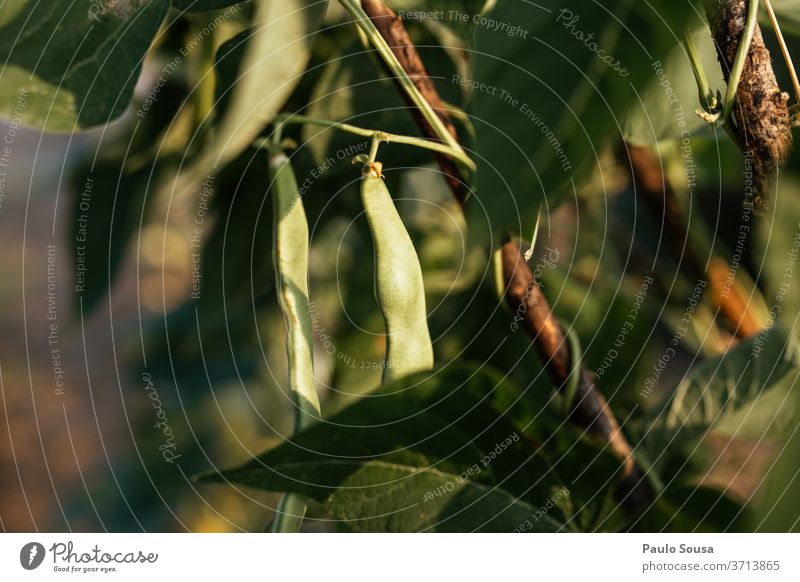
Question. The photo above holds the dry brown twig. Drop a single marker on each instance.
(589, 410)
(763, 122)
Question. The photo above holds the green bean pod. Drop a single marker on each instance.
(399, 285)
(290, 258)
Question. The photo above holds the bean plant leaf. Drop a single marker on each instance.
(776, 506)
(546, 98)
(424, 453)
(278, 50)
(779, 237)
(70, 65)
(744, 393)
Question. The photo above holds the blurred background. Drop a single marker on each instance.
(142, 343)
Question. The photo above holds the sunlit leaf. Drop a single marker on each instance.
(70, 65)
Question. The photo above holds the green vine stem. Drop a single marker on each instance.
(576, 355)
(711, 112)
(373, 148)
(385, 52)
(202, 64)
(708, 98)
(288, 119)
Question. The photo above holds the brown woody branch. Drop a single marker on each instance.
(657, 193)
(762, 117)
(589, 410)
(394, 32)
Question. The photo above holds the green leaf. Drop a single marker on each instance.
(425, 453)
(778, 234)
(744, 393)
(203, 5)
(548, 98)
(275, 57)
(71, 65)
(776, 505)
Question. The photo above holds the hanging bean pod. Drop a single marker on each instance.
(398, 282)
(290, 257)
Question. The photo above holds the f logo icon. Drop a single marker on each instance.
(31, 555)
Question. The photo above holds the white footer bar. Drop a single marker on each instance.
(390, 558)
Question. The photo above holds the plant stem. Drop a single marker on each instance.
(784, 49)
(380, 44)
(707, 97)
(202, 63)
(373, 148)
(381, 135)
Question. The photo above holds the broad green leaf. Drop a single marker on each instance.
(776, 504)
(276, 54)
(745, 393)
(203, 5)
(70, 65)
(668, 104)
(549, 97)
(425, 453)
